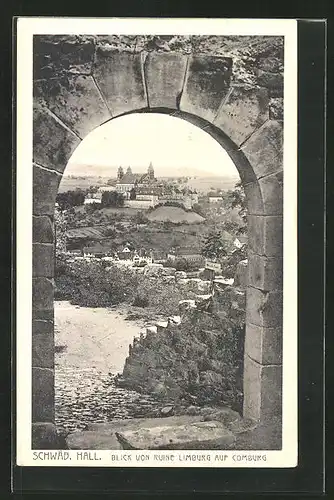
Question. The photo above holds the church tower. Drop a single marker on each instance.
(150, 172)
(129, 171)
(120, 173)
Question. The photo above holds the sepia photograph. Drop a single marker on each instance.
(162, 165)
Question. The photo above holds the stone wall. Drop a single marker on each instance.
(231, 87)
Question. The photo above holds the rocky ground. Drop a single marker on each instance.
(84, 396)
(91, 347)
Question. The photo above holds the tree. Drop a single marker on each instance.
(70, 199)
(214, 245)
(140, 218)
(112, 199)
(238, 200)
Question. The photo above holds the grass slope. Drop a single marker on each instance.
(175, 215)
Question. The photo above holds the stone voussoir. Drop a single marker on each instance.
(164, 91)
(243, 112)
(76, 100)
(53, 142)
(207, 84)
(264, 149)
(120, 78)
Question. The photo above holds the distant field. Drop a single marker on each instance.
(110, 210)
(174, 214)
(69, 183)
(205, 184)
(87, 232)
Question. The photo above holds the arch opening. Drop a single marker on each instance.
(187, 175)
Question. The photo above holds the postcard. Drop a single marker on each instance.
(156, 293)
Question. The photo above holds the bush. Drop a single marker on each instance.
(140, 301)
(91, 284)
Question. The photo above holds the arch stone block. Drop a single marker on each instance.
(264, 308)
(207, 84)
(53, 141)
(264, 344)
(120, 78)
(42, 229)
(43, 344)
(265, 234)
(76, 100)
(42, 298)
(264, 149)
(42, 254)
(271, 188)
(43, 394)
(165, 90)
(46, 183)
(265, 273)
(243, 112)
(262, 390)
(44, 436)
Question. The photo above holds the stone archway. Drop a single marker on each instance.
(80, 84)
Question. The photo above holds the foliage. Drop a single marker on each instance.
(70, 199)
(197, 208)
(182, 265)
(60, 229)
(140, 218)
(237, 199)
(112, 199)
(214, 245)
(101, 284)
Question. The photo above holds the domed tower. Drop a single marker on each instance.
(128, 170)
(120, 173)
(150, 172)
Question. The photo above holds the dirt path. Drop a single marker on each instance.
(93, 338)
(92, 345)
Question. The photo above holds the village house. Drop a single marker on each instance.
(215, 199)
(97, 251)
(188, 254)
(93, 198)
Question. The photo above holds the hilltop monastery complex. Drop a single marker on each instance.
(144, 190)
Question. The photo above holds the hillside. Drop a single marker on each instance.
(175, 215)
(206, 184)
(71, 183)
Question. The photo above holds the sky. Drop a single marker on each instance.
(174, 146)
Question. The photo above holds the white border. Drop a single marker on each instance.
(26, 28)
